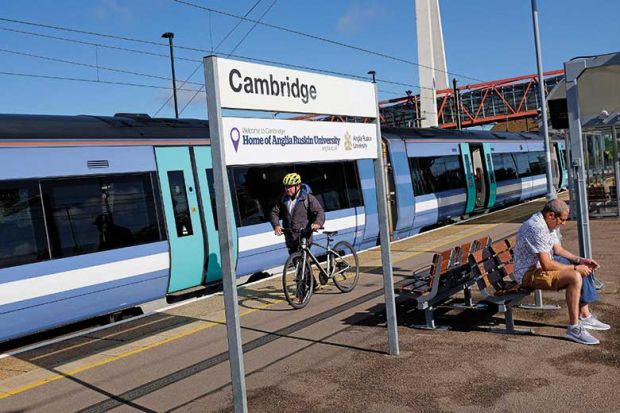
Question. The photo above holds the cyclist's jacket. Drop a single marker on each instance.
(306, 211)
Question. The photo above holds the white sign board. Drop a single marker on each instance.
(252, 141)
(258, 87)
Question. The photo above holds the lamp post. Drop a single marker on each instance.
(543, 104)
(170, 36)
(538, 300)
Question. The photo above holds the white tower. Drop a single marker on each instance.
(431, 57)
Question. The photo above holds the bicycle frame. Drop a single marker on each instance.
(328, 271)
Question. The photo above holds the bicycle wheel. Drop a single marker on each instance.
(346, 268)
(297, 282)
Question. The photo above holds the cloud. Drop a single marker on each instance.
(358, 16)
(112, 8)
(186, 96)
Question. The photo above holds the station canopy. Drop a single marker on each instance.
(599, 98)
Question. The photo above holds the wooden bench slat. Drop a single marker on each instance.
(493, 267)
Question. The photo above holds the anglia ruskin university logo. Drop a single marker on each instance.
(235, 137)
(348, 145)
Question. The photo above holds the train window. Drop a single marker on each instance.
(257, 189)
(423, 181)
(538, 161)
(436, 174)
(523, 164)
(354, 189)
(505, 167)
(22, 227)
(94, 214)
(212, 194)
(180, 203)
(490, 162)
(328, 184)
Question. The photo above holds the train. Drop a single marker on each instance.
(99, 214)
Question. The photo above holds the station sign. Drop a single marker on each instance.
(253, 141)
(267, 88)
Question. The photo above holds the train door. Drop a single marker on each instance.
(480, 180)
(469, 178)
(391, 188)
(180, 200)
(489, 176)
(204, 177)
(560, 153)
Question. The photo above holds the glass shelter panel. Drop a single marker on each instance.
(599, 155)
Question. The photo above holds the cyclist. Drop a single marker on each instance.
(298, 209)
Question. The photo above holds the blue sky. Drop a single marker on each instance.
(484, 39)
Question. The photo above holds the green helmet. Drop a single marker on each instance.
(291, 179)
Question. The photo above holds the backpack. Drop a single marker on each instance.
(310, 214)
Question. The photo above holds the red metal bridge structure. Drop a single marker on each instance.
(478, 104)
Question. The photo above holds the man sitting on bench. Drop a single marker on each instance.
(535, 268)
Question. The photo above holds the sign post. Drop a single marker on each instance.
(384, 236)
(234, 84)
(220, 183)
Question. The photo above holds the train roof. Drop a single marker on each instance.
(120, 126)
(452, 134)
(141, 126)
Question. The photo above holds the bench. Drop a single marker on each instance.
(492, 268)
(462, 253)
(447, 275)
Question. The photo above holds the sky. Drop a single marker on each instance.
(64, 69)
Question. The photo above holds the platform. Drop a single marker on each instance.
(332, 355)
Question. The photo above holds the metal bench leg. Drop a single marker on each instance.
(430, 321)
(510, 325)
(469, 304)
(538, 303)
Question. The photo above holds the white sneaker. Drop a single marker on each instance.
(593, 323)
(579, 335)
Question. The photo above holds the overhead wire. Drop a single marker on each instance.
(33, 75)
(239, 42)
(137, 51)
(163, 55)
(98, 67)
(253, 27)
(323, 39)
(200, 65)
(244, 18)
(231, 31)
(124, 49)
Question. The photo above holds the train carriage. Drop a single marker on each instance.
(440, 175)
(101, 214)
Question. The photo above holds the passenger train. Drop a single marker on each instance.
(101, 214)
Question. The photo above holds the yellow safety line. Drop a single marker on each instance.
(128, 353)
(209, 324)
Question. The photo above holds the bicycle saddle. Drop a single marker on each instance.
(330, 233)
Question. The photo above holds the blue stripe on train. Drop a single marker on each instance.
(81, 307)
(508, 197)
(87, 260)
(139, 295)
(274, 255)
(443, 211)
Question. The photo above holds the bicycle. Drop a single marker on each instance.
(341, 266)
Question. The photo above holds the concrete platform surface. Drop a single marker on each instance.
(332, 356)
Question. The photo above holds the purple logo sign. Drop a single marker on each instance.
(235, 137)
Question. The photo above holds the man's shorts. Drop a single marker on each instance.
(537, 278)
